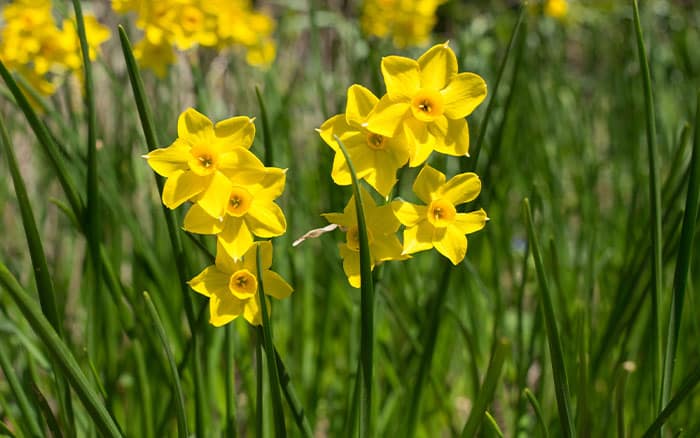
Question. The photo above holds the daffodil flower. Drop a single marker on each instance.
(250, 210)
(375, 157)
(201, 160)
(232, 286)
(438, 224)
(382, 226)
(428, 100)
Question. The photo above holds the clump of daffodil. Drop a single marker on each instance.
(185, 24)
(427, 100)
(198, 165)
(233, 286)
(33, 45)
(437, 223)
(375, 157)
(407, 22)
(250, 209)
(382, 226)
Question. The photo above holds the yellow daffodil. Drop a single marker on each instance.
(156, 57)
(556, 9)
(438, 224)
(201, 160)
(375, 157)
(428, 100)
(232, 286)
(251, 209)
(407, 22)
(382, 226)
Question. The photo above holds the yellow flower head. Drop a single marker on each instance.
(427, 100)
(408, 22)
(556, 9)
(375, 157)
(250, 210)
(155, 56)
(438, 224)
(232, 286)
(199, 163)
(382, 226)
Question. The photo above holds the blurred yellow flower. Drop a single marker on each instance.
(232, 285)
(438, 224)
(199, 163)
(156, 57)
(407, 22)
(376, 158)
(556, 8)
(382, 226)
(251, 209)
(427, 100)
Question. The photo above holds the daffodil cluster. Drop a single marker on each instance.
(423, 110)
(407, 22)
(232, 196)
(32, 44)
(183, 24)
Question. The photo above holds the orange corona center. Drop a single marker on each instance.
(441, 212)
(427, 105)
(204, 159)
(376, 141)
(239, 201)
(243, 284)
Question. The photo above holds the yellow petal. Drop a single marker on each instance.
(270, 186)
(265, 219)
(387, 116)
(409, 214)
(461, 188)
(165, 161)
(423, 142)
(464, 93)
(380, 220)
(224, 309)
(401, 76)
(359, 105)
(198, 221)
(339, 218)
(215, 197)
(437, 67)
(251, 310)
(231, 163)
(210, 281)
(182, 186)
(235, 238)
(456, 141)
(192, 122)
(224, 261)
(471, 222)
(387, 248)
(250, 258)
(275, 286)
(452, 244)
(340, 171)
(418, 238)
(351, 265)
(236, 131)
(381, 178)
(428, 183)
(336, 125)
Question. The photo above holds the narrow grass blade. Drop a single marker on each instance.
(4, 430)
(626, 369)
(51, 420)
(538, 411)
(259, 421)
(561, 382)
(298, 412)
(680, 278)
(46, 141)
(493, 425)
(146, 408)
(487, 390)
(180, 411)
(366, 306)
(267, 138)
(60, 354)
(230, 428)
(273, 375)
(31, 426)
(92, 214)
(655, 203)
(489, 107)
(684, 390)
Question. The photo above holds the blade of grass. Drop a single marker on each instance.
(538, 411)
(60, 354)
(493, 425)
(561, 383)
(366, 306)
(680, 278)
(626, 369)
(180, 410)
(231, 429)
(685, 388)
(146, 408)
(655, 212)
(47, 413)
(487, 390)
(293, 402)
(267, 138)
(272, 373)
(31, 426)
